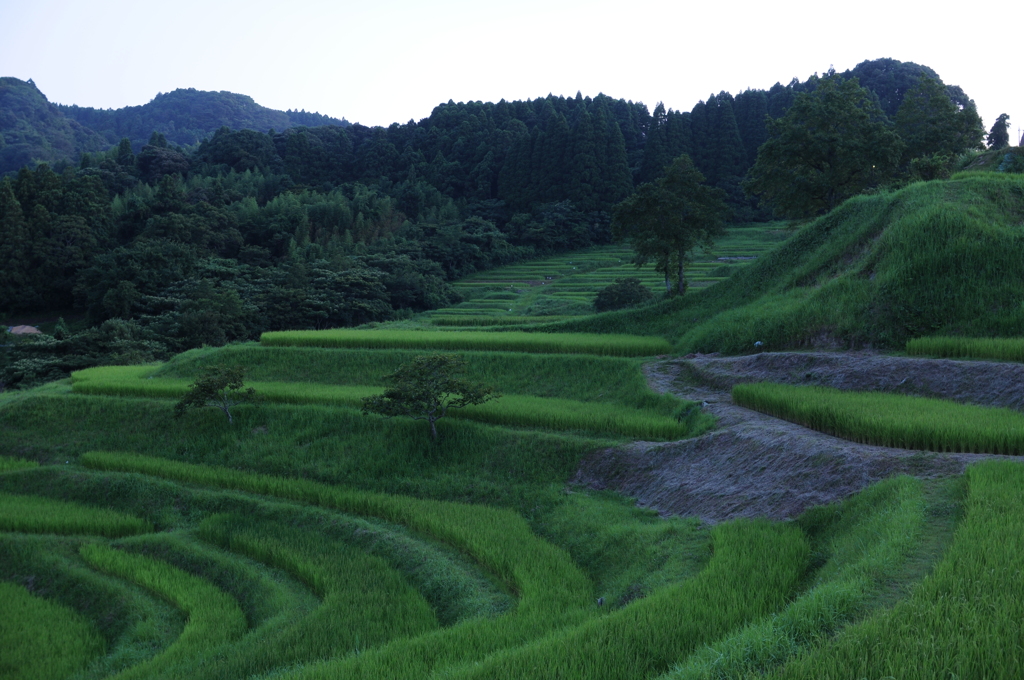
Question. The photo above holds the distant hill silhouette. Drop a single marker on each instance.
(32, 129)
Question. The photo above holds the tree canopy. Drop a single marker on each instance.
(832, 144)
(931, 124)
(999, 135)
(665, 220)
(426, 388)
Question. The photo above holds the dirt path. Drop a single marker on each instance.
(757, 465)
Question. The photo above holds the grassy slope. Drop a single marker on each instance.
(934, 257)
(625, 553)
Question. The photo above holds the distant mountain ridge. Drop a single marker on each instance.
(32, 129)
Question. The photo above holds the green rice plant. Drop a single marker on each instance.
(579, 377)
(754, 569)
(213, 616)
(133, 623)
(32, 514)
(41, 639)
(8, 464)
(868, 537)
(364, 601)
(475, 320)
(552, 590)
(512, 410)
(1004, 349)
(549, 343)
(890, 419)
(964, 619)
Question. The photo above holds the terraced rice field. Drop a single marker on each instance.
(306, 540)
(565, 285)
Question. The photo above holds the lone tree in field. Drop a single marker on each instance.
(669, 217)
(425, 388)
(218, 386)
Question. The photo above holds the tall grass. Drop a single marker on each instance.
(938, 257)
(512, 341)
(42, 640)
(499, 539)
(867, 539)
(364, 601)
(552, 590)
(213, 616)
(1004, 349)
(32, 514)
(512, 410)
(889, 419)
(964, 619)
(484, 320)
(133, 622)
(564, 376)
(755, 567)
(8, 464)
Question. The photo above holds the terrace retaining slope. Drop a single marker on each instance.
(757, 465)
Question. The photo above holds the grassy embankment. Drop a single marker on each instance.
(896, 420)
(1001, 349)
(932, 258)
(605, 395)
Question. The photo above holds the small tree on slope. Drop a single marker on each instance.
(218, 386)
(425, 388)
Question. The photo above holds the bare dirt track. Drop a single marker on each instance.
(756, 465)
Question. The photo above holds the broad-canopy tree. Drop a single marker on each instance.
(930, 123)
(999, 136)
(833, 143)
(222, 387)
(426, 388)
(665, 220)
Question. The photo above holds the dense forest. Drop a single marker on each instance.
(166, 246)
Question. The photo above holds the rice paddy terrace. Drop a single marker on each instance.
(308, 540)
(564, 286)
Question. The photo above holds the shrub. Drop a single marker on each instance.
(623, 293)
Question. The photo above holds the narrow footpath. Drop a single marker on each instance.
(756, 465)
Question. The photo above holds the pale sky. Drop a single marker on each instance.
(395, 60)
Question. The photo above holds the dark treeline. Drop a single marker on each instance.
(165, 248)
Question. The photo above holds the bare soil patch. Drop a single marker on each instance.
(756, 465)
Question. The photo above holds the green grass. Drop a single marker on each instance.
(533, 292)
(1003, 349)
(863, 542)
(889, 419)
(661, 418)
(754, 569)
(12, 464)
(31, 514)
(213, 616)
(364, 601)
(962, 620)
(134, 623)
(42, 640)
(626, 551)
(579, 377)
(548, 343)
(552, 590)
(934, 258)
(473, 319)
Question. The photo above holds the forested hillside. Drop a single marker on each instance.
(33, 130)
(160, 248)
